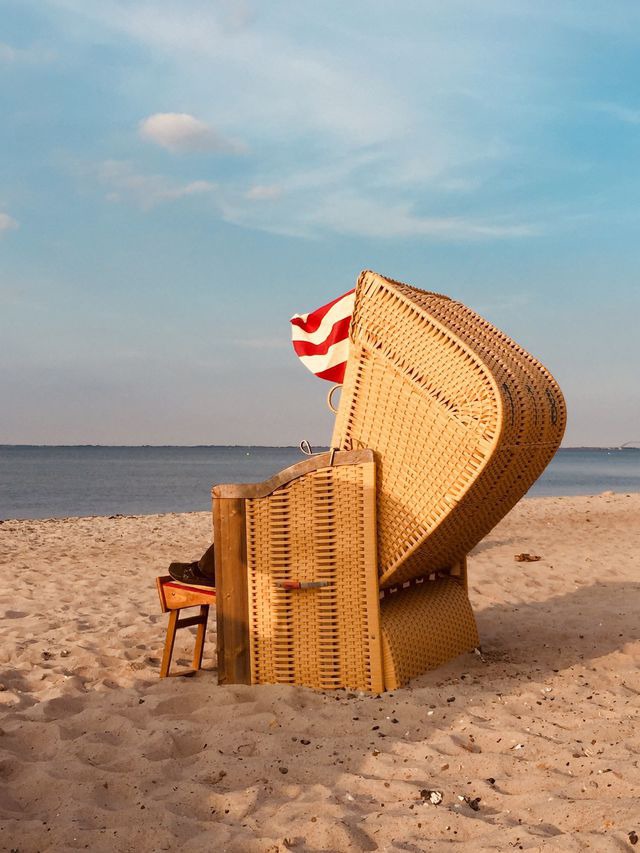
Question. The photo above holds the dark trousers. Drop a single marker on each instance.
(207, 563)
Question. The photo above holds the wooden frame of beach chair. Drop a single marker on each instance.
(296, 575)
(349, 569)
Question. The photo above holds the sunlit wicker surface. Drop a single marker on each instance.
(462, 421)
(423, 626)
(319, 527)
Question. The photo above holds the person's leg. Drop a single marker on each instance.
(207, 563)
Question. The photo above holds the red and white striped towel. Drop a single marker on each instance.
(321, 338)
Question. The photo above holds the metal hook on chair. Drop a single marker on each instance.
(330, 398)
(306, 448)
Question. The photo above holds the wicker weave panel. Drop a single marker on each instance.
(320, 527)
(423, 626)
(461, 418)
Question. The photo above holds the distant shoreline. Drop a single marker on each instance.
(62, 481)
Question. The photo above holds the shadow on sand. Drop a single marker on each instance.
(582, 625)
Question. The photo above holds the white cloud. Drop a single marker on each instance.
(7, 223)
(181, 132)
(146, 191)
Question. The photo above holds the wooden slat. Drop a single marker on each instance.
(160, 581)
(370, 571)
(168, 644)
(313, 463)
(200, 636)
(175, 596)
(190, 621)
(232, 603)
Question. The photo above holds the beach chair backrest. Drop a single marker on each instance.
(461, 420)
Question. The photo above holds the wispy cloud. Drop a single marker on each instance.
(400, 138)
(362, 216)
(278, 343)
(264, 192)
(272, 81)
(124, 183)
(33, 54)
(629, 115)
(460, 184)
(513, 303)
(292, 210)
(181, 132)
(7, 223)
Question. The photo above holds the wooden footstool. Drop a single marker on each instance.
(174, 597)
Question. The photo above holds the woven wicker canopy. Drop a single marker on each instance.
(461, 419)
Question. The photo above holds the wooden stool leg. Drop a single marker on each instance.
(168, 645)
(202, 628)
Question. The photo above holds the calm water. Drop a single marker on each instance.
(49, 482)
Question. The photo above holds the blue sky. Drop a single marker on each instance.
(178, 178)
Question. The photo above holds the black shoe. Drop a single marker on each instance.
(190, 574)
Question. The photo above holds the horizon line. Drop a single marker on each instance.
(625, 446)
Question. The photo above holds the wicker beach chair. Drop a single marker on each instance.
(349, 568)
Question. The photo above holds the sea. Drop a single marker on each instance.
(61, 482)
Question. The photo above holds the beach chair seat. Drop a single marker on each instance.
(350, 568)
(174, 597)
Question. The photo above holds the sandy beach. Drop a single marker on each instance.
(534, 747)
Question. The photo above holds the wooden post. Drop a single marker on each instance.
(459, 570)
(232, 597)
